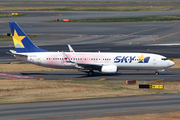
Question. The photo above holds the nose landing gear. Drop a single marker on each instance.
(90, 73)
(160, 70)
(156, 73)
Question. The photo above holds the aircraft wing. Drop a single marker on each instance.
(83, 65)
(89, 65)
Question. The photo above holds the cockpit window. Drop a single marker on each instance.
(164, 59)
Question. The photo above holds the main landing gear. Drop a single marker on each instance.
(156, 73)
(90, 73)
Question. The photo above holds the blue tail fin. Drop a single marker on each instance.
(21, 41)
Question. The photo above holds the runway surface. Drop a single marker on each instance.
(56, 36)
(36, 16)
(101, 107)
(122, 75)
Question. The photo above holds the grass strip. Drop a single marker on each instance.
(10, 15)
(97, 2)
(23, 67)
(148, 116)
(9, 38)
(31, 90)
(129, 19)
(88, 8)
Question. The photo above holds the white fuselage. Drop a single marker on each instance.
(123, 61)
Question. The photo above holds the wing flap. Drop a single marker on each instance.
(89, 65)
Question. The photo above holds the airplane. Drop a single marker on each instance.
(104, 62)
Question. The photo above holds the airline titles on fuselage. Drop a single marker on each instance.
(129, 59)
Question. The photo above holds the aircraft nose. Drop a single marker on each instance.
(171, 63)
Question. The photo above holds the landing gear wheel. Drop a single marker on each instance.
(90, 73)
(157, 73)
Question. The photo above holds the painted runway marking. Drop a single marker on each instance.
(102, 79)
(157, 80)
(150, 30)
(71, 38)
(152, 96)
(171, 44)
(128, 35)
(14, 76)
(163, 52)
(164, 36)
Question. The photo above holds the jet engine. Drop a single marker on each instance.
(111, 69)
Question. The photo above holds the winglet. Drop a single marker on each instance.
(66, 58)
(70, 48)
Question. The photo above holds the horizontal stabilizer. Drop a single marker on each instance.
(12, 52)
(16, 54)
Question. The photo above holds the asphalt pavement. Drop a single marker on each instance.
(85, 108)
(122, 75)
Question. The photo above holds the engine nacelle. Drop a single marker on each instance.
(111, 69)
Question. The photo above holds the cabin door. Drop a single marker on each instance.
(154, 61)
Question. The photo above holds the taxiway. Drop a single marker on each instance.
(85, 108)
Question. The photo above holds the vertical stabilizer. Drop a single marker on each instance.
(21, 41)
